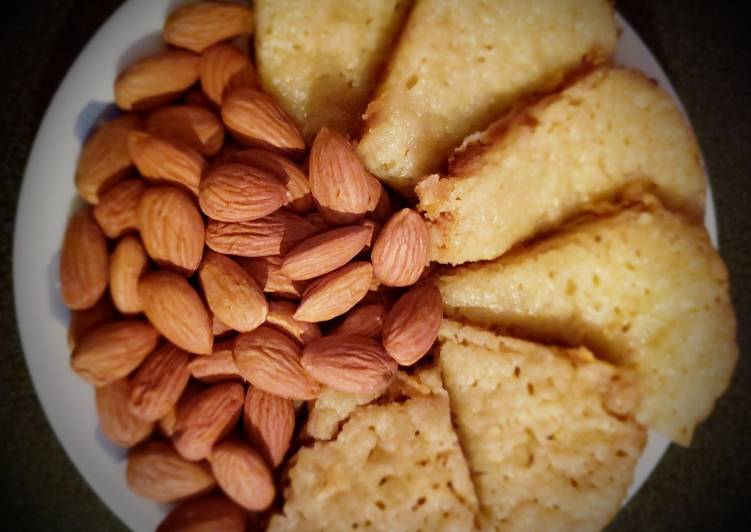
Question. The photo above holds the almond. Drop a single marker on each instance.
(159, 383)
(176, 310)
(239, 193)
(225, 67)
(281, 316)
(374, 229)
(190, 125)
(129, 262)
(155, 80)
(267, 272)
(206, 418)
(351, 364)
(340, 185)
(411, 326)
(157, 472)
(366, 320)
(115, 418)
(335, 293)
(197, 26)
(169, 421)
(299, 197)
(83, 321)
(213, 513)
(318, 221)
(171, 228)
(84, 268)
(113, 350)
(380, 203)
(218, 367)
(401, 250)
(105, 157)
(196, 97)
(218, 327)
(231, 293)
(325, 252)
(269, 422)
(274, 234)
(163, 161)
(255, 119)
(270, 361)
(243, 476)
(117, 210)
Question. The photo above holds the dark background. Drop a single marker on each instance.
(704, 48)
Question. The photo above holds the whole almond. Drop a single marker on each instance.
(351, 364)
(105, 157)
(206, 418)
(401, 250)
(218, 327)
(325, 252)
(223, 68)
(197, 26)
(231, 293)
(269, 360)
(365, 320)
(167, 162)
(255, 119)
(84, 262)
(155, 80)
(340, 185)
(335, 293)
(243, 475)
(176, 310)
(274, 234)
(411, 326)
(218, 367)
(190, 125)
(171, 228)
(299, 197)
(158, 384)
(213, 513)
(281, 316)
(117, 210)
(267, 272)
(157, 472)
(113, 350)
(269, 422)
(239, 193)
(168, 422)
(129, 262)
(115, 418)
(84, 321)
(380, 203)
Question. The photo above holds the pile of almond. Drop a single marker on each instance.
(224, 270)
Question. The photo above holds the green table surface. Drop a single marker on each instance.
(703, 46)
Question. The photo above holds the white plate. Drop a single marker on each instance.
(47, 196)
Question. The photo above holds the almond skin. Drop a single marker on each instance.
(380, 203)
(269, 422)
(281, 316)
(157, 472)
(113, 350)
(267, 272)
(84, 262)
(197, 26)
(115, 418)
(213, 513)
(325, 252)
(206, 418)
(366, 320)
(166, 162)
(171, 228)
(117, 210)
(401, 250)
(176, 310)
(340, 185)
(274, 234)
(239, 193)
(218, 367)
(156, 80)
(351, 364)
(269, 360)
(243, 476)
(168, 422)
(84, 321)
(335, 293)
(225, 67)
(412, 325)
(159, 383)
(129, 262)
(255, 119)
(191, 125)
(231, 293)
(318, 221)
(105, 157)
(218, 327)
